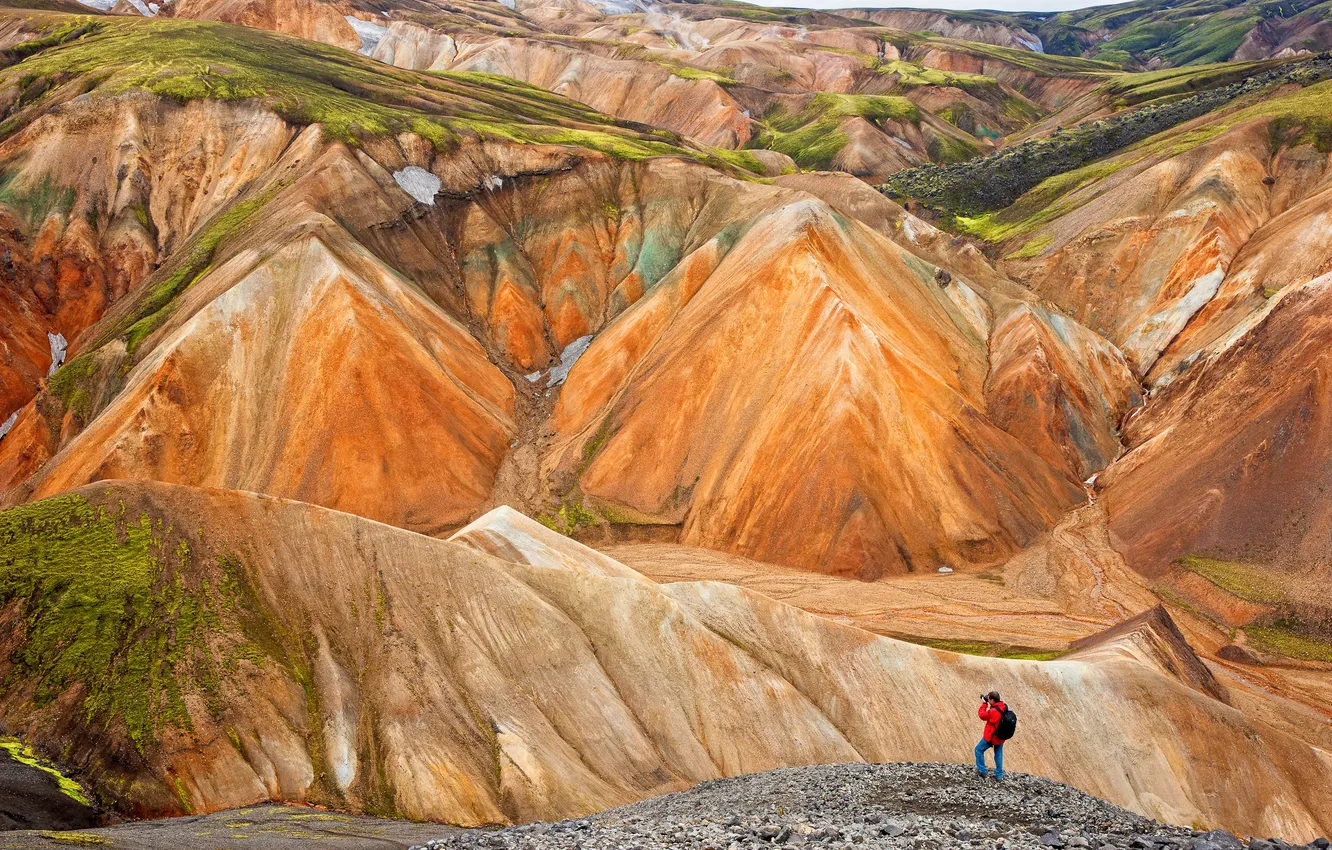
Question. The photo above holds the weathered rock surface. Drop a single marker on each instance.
(446, 302)
(369, 666)
(881, 805)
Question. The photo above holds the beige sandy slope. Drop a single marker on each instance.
(392, 671)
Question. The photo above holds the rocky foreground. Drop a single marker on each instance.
(918, 806)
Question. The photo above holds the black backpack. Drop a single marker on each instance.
(1007, 725)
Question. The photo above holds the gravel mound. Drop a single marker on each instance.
(900, 806)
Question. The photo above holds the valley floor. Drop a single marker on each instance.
(1067, 586)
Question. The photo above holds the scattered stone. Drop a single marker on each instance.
(855, 807)
(1222, 839)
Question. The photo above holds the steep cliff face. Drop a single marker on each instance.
(308, 654)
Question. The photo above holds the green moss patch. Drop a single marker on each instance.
(73, 838)
(995, 181)
(911, 75)
(352, 97)
(1033, 247)
(811, 136)
(1250, 583)
(106, 604)
(568, 518)
(1280, 640)
(23, 754)
(61, 33)
(34, 204)
(983, 648)
(1053, 198)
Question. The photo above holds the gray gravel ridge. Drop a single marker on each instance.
(901, 806)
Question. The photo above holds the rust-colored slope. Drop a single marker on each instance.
(314, 373)
(1233, 455)
(316, 20)
(95, 196)
(642, 91)
(1058, 387)
(373, 667)
(813, 399)
(526, 249)
(1138, 262)
(1171, 253)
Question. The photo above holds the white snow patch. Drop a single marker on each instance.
(370, 32)
(915, 228)
(419, 183)
(619, 7)
(909, 228)
(568, 358)
(494, 182)
(511, 5)
(104, 5)
(141, 8)
(945, 570)
(8, 424)
(903, 142)
(59, 345)
(533, 377)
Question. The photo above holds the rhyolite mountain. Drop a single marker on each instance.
(487, 413)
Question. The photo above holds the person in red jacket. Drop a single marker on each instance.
(991, 711)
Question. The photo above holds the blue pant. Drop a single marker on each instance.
(998, 758)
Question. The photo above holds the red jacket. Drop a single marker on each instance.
(992, 714)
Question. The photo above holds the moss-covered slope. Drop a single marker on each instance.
(351, 96)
